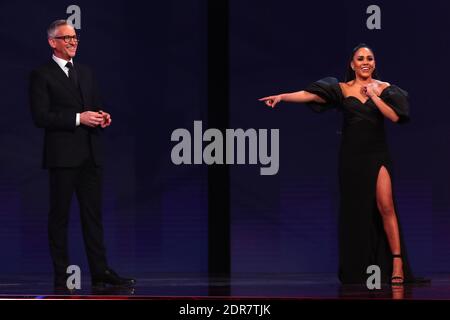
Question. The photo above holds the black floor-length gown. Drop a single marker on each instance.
(363, 152)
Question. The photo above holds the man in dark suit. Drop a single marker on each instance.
(65, 101)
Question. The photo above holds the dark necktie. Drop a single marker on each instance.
(72, 74)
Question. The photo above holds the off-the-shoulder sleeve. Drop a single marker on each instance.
(397, 99)
(329, 90)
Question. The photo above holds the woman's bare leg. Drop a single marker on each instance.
(386, 207)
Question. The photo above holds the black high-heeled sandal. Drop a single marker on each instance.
(399, 283)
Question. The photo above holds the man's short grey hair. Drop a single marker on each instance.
(51, 30)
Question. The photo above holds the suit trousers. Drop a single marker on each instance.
(86, 182)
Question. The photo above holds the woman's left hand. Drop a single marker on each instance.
(372, 89)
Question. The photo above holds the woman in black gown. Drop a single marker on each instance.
(369, 232)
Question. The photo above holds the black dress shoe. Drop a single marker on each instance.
(109, 277)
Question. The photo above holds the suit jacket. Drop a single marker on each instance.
(54, 101)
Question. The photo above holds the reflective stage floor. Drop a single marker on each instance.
(270, 286)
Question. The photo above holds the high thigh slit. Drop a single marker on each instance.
(363, 152)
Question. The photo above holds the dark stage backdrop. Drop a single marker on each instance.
(151, 62)
(288, 222)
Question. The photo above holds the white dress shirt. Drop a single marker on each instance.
(62, 64)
